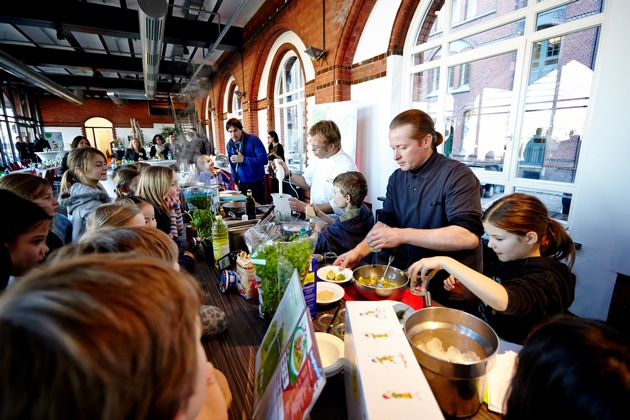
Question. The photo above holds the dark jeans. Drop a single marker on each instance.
(258, 190)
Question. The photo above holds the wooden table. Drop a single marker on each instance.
(234, 353)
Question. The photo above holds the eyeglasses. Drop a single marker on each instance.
(316, 148)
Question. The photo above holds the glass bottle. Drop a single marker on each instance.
(250, 206)
(220, 239)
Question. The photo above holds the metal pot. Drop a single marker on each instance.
(375, 293)
(235, 208)
(457, 387)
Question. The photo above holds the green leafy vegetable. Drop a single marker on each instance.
(202, 220)
(280, 259)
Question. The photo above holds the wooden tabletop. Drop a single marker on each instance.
(234, 353)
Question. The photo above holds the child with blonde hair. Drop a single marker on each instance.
(81, 190)
(159, 185)
(209, 175)
(527, 283)
(117, 214)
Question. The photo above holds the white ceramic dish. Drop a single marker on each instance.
(331, 352)
(337, 291)
(156, 162)
(323, 272)
(403, 311)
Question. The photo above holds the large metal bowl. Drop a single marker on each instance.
(375, 293)
(236, 207)
(458, 387)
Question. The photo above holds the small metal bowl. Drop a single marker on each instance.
(375, 293)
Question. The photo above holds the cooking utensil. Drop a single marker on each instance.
(389, 262)
(235, 207)
(332, 321)
(458, 387)
(394, 275)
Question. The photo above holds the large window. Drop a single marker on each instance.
(19, 116)
(517, 83)
(290, 108)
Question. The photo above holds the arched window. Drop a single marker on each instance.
(509, 83)
(290, 109)
(100, 133)
(235, 109)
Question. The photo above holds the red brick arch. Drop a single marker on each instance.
(403, 21)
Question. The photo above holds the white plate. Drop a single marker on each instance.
(331, 352)
(331, 287)
(228, 193)
(401, 309)
(322, 272)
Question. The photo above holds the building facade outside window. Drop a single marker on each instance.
(509, 85)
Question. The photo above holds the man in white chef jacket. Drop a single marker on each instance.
(325, 140)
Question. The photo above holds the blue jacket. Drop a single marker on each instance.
(255, 158)
(342, 236)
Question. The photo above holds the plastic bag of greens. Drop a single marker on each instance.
(275, 260)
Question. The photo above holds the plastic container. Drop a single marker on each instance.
(220, 239)
(282, 207)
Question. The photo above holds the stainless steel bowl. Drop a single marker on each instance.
(375, 293)
(236, 207)
(457, 387)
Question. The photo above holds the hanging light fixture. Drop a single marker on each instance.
(315, 53)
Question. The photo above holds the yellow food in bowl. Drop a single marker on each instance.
(330, 275)
(325, 295)
(373, 281)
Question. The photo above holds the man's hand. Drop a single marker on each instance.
(237, 158)
(383, 236)
(348, 259)
(297, 205)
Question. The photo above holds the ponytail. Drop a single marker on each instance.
(557, 244)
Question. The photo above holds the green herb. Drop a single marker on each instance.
(401, 314)
(280, 259)
(199, 202)
(202, 220)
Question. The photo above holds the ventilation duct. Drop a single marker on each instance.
(13, 66)
(227, 26)
(152, 15)
(120, 96)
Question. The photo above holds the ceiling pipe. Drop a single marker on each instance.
(216, 43)
(119, 96)
(16, 68)
(152, 15)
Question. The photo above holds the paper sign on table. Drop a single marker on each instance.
(289, 373)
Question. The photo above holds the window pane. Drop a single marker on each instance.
(466, 13)
(292, 138)
(478, 118)
(426, 56)
(501, 33)
(425, 86)
(570, 12)
(558, 204)
(556, 106)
